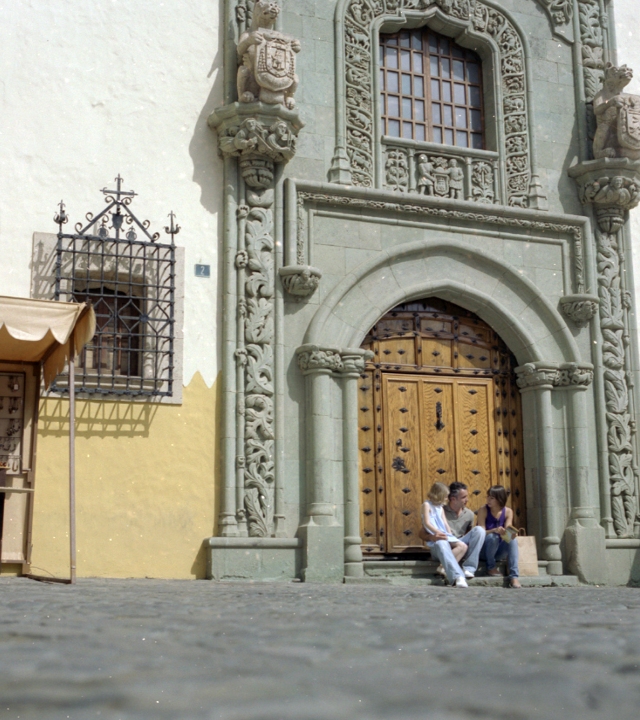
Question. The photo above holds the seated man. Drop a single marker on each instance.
(461, 521)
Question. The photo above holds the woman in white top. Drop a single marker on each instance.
(444, 546)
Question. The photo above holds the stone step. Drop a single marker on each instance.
(436, 580)
(424, 568)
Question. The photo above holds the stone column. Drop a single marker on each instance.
(321, 533)
(539, 379)
(353, 361)
(584, 536)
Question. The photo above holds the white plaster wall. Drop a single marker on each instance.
(627, 28)
(93, 88)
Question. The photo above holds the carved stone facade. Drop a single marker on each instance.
(360, 17)
(317, 251)
(260, 131)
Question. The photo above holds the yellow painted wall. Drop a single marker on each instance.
(145, 486)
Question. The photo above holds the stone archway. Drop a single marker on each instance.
(550, 361)
(438, 402)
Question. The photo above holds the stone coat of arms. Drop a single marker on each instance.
(267, 60)
(629, 122)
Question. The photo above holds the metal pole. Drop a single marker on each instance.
(72, 457)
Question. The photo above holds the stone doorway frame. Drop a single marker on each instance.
(549, 363)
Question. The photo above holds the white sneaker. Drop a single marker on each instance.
(461, 582)
(468, 574)
(440, 571)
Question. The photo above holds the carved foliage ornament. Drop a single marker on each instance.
(531, 375)
(256, 308)
(359, 19)
(614, 306)
(579, 308)
(312, 358)
(591, 37)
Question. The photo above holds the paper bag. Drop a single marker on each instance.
(527, 555)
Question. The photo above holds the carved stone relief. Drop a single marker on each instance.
(560, 11)
(611, 184)
(260, 131)
(266, 59)
(408, 207)
(396, 170)
(617, 116)
(359, 18)
(538, 374)
(614, 304)
(312, 358)
(579, 308)
(592, 39)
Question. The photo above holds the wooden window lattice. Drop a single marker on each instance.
(431, 89)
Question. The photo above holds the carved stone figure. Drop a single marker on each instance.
(266, 58)
(426, 179)
(612, 195)
(618, 116)
(456, 180)
(560, 11)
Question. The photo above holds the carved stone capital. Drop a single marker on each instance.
(574, 375)
(342, 361)
(579, 308)
(552, 375)
(301, 281)
(535, 375)
(611, 185)
(312, 358)
(354, 359)
(260, 135)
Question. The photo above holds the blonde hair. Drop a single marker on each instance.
(438, 493)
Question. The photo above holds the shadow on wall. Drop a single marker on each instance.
(203, 148)
(634, 580)
(96, 418)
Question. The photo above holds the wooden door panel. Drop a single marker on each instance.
(366, 448)
(399, 351)
(436, 352)
(473, 356)
(516, 476)
(437, 403)
(476, 443)
(438, 434)
(403, 462)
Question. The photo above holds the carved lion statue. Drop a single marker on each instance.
(618, 116)
(266, 58)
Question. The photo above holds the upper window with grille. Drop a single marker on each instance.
(431, 89)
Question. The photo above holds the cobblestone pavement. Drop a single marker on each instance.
(118, 649)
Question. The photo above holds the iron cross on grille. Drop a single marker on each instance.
(119, 192)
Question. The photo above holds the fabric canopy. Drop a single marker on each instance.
(33, 330)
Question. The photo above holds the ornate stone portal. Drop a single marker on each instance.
(260, 131)
(354, 159)
(610, 185)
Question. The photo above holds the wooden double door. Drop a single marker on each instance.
(437, 403)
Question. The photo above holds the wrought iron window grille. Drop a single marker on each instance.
(116, 263)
